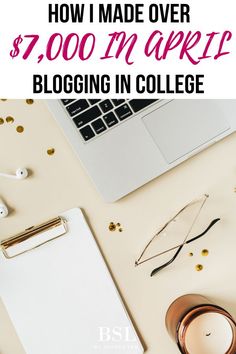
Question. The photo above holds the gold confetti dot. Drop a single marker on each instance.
(118, 224)
(3, 99)
(20, 129)
(112, 226)
(120, 230)
(1, 121)
(205, 253)
(29, 101)
(51, 151)
(199, 267)
(10, 119)
(190, 254)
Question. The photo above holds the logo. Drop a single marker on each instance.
(117, 339)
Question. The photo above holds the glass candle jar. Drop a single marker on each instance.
(200, 327)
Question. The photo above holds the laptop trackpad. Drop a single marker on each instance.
(181, 126)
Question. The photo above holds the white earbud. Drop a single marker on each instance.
(3, 210)
(21, 173)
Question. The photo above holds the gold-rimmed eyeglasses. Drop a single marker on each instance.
(188, 215)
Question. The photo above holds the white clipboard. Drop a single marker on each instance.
(59, 293)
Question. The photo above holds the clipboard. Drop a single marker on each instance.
(59, 293)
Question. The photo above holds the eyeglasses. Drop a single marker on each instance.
(178, 229)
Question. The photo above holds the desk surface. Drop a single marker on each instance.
(59, 182)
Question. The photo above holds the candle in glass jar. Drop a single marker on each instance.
(209, 333)
(200, 327)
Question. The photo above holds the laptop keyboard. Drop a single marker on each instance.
(93, 117)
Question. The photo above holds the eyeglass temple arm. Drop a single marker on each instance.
(204, 232)
(158, 269)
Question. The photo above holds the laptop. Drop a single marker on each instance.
(124, 144)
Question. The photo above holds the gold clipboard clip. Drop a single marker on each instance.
(56, 227)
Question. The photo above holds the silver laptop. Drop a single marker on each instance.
(124, 144)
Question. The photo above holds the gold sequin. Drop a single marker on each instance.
(112, 226)
(1, 121)
(29, 101)
(3, 99)
(10, 119)
(190, 254)
(205, 253)
(115, 227)
(19, 129)
(51, 151)
(199, 267)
